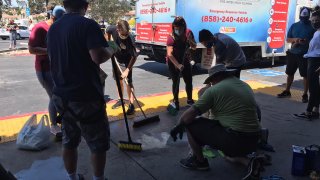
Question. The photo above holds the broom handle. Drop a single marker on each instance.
(126, 81)
(180, 72)
(114, 66)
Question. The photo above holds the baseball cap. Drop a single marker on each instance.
(58, 12)
(305, 12)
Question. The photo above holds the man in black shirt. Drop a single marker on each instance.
(127, 56)
(76, 48)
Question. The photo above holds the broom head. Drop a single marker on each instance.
(139, 123)
(129, 146)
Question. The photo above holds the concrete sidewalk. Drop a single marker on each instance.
(160, 155)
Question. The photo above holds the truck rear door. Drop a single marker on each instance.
(154, 18)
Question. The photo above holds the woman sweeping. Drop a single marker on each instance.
(178, 58)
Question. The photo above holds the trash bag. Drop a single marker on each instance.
(34, 136)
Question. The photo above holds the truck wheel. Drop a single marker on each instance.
(18, 36)
(3, 38)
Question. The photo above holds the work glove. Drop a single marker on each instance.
(177, 130)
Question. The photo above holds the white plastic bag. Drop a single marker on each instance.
(34, 136)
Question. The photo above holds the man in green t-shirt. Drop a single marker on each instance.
(235, 129)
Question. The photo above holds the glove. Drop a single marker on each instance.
(114, 46)
(177, 129)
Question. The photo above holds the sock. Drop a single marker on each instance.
(98, 178)
(73, 176)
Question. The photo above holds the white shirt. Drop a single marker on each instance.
(314, 46)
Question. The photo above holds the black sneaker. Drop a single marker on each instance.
(117, 104)
(190, 102)
(307, 115)
(284, 94)
(192, 163)
(305, 98)
(177, 105)
(130, 110)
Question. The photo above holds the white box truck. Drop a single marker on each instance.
(259, 26)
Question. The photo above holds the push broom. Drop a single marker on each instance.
(146, 119)
(124, 145)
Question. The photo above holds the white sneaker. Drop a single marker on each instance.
(55, 129)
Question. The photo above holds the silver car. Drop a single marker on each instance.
(22, 33)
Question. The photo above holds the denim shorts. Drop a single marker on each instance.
(87, 119)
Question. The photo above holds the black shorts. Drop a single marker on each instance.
(123, 67)
(231, 143)
(295, 61)
(87, 119)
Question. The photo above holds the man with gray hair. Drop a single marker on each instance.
(235, 129)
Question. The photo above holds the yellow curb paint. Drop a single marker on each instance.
(151, 105)
(9, 128)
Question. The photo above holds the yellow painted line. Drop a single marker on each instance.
(9, 128)
(150, 105)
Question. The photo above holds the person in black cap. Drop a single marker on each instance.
(299, 35)
(226, 49)
(235, 129)
(76, 48)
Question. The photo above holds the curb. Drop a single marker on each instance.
(10, 50)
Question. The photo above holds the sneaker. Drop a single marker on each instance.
(130, 110)
(55, 129)
(192, 163)
(254, 167)
(117, 104)
(284, 94)
(190, 102)
(177, 105)
(307, 115)
(305, 98)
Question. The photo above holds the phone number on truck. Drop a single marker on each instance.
(226, 19)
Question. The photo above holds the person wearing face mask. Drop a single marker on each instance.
(126, 57)
(226, 49)
(178, 58)
(313, 56)
(299, 35)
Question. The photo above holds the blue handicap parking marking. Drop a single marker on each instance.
(266, 72)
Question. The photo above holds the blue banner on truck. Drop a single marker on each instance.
(247, 21)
